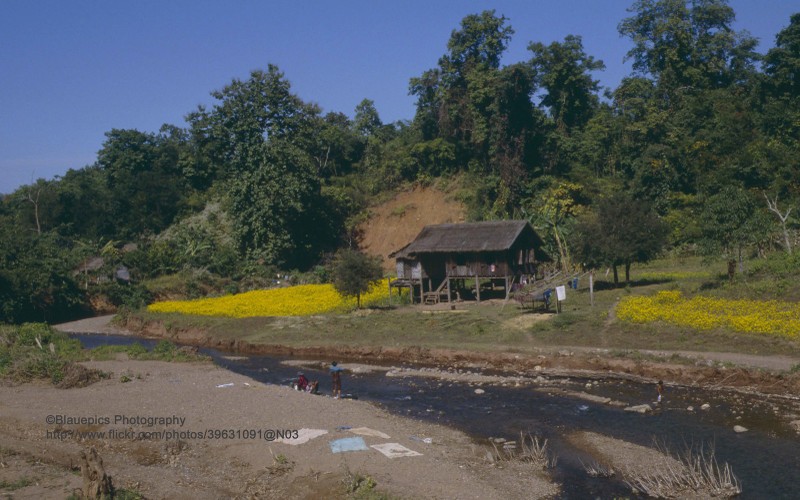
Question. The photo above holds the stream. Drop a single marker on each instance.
(766, 459)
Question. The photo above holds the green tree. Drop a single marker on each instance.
(354, 273)
(278, 210)
(778, 152)
(36, 277)
(366, 121)
(730, 223)
(337, 145)
(563, 71)
(251, 113)
(686, 44)
(483, 110)
(782, 63)
(144, 178)
(620, 232)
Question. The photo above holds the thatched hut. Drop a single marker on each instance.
(448, 258)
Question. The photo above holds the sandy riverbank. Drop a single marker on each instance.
(451, 466)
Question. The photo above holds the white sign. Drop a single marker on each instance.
(561, 293)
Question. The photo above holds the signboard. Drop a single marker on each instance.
(561, 293)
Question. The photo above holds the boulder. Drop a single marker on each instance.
(639, 408)
(739, 429)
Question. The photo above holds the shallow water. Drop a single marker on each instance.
(765, 459)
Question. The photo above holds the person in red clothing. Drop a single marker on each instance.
(302, 382)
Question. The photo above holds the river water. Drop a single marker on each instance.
(766, 459)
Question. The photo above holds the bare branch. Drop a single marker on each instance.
(773, 207)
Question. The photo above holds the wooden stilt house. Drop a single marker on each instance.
(448, 261)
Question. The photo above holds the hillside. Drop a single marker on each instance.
(394, 223)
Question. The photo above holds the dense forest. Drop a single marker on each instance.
(696, 152)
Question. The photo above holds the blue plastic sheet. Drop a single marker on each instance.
(348, 444)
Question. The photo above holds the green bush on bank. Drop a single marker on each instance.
(36, 351)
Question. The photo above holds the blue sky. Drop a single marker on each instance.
(72, 70)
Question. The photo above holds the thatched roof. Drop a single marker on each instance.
(489, 236)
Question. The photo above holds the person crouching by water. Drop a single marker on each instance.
(660, 389)
(305, 385)
(302, 382)
(336, 378)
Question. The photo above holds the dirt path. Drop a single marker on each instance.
(774, 363)
(99, 324)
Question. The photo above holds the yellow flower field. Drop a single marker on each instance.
(704, 313)
(301, 300)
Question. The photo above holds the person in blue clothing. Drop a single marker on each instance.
(336, 378)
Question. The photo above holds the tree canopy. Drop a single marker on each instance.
(701, 137)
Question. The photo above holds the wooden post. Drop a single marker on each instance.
(390, 291)
(449, 299)
(591, 287)
(477, 287)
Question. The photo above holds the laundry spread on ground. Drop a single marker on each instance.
(395, 450)
(348, 444)
(303, 436)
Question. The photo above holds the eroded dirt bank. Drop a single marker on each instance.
(703, 372)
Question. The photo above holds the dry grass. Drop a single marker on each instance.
(597, 469)
(695, 473)
(531, 449)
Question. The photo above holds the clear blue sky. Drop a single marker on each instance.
(72, 70)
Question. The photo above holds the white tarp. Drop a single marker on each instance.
(395, 450)
(303, 436)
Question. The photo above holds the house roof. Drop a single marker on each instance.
(489, 236)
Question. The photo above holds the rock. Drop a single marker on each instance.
(795, 424)
(690, 408)
(705, 406)
(537, 368)
(479, 391)
(739, 429)
(639, 408)
(588, 385)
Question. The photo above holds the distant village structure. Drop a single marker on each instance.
(448, 261)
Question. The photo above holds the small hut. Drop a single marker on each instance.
(448, 259)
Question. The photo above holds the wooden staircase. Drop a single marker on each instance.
(434, 297)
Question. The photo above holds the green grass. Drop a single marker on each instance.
(511, 328)
(15, 485)
(36, 351)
